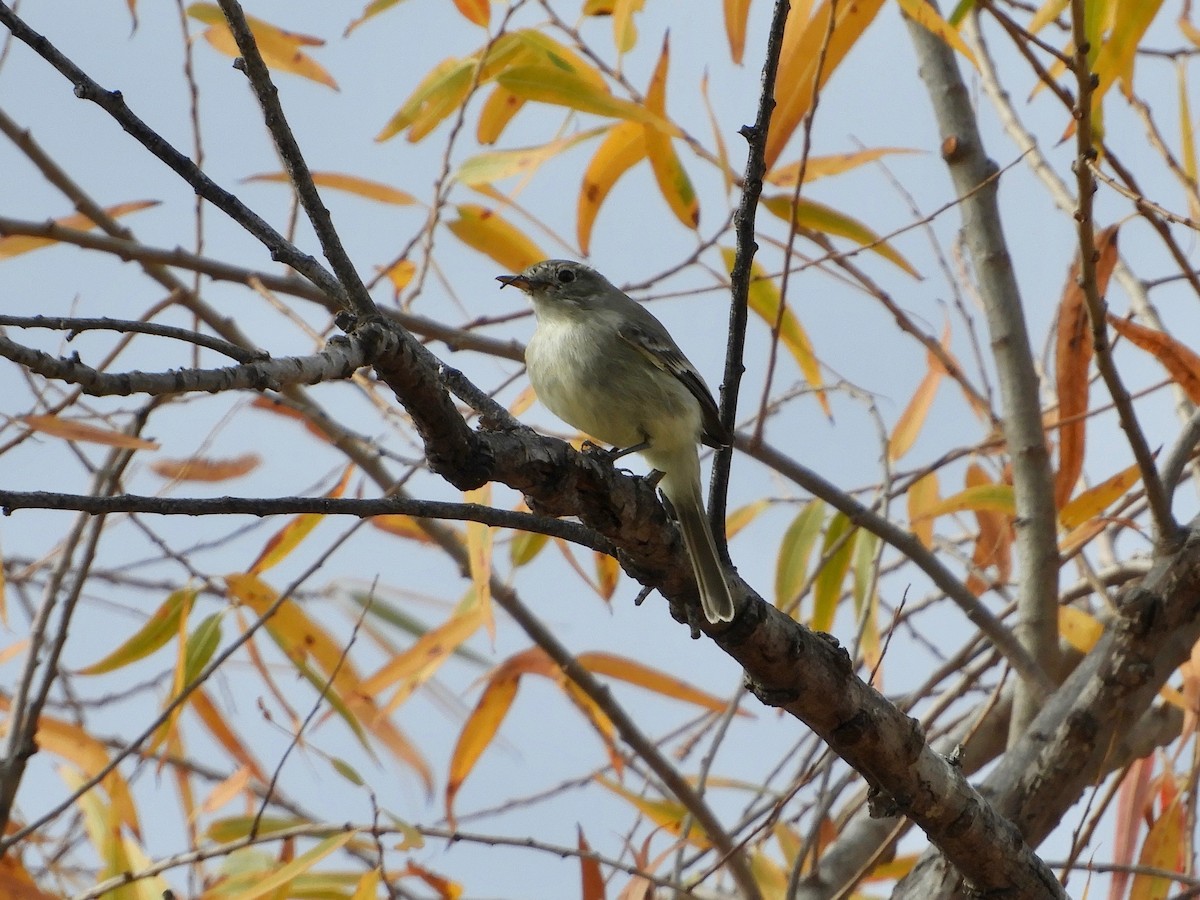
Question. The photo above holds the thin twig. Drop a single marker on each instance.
(1167, 529)
(746, 247)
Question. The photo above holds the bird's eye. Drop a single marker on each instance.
(565, 276)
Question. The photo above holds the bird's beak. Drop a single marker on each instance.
(517, 281)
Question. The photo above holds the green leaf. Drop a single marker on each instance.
(818, 217)
(827, 588)
(791, 568)
(154, 634)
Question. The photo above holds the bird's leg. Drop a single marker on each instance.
(611, 453)
(652, 478)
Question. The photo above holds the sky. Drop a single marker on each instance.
(875, 100)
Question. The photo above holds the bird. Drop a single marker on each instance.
(605, 365)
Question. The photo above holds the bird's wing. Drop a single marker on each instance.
(661, 351)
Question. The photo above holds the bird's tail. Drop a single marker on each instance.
(682, 487)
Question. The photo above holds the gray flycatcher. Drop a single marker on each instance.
(603, 364)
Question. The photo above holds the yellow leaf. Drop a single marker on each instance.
(256, 884)
(1079, 629)
(926, 15)
(803, 53)
(1047, 13)
(288, 538)
(302, 639)
(280, 49)
(667, 814)
(993, 497)
(1167, 846)
(737, 13)
(743, 516)
(765, 300)
(818, 217)
(16, 244)
(634, 672)
(439, 94)
(623, 148)
(608, 575)
(498, 110)
(154, 634)
(559, 88)
(624, 29)
(477, 12)
(418, 663)
(74, 430)
(908, 426)
(351, 184)
(791, 568)
(488, 168)
(479, 557)
(481, 726)
(1116, 56)
(483, 230)
(1096, 499)
(673, 181)
(816, 167)
(368, 886)
(923, 497)
(400, 274)
(1187, 138)
(217, 724)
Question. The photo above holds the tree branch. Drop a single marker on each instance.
(1037, 540)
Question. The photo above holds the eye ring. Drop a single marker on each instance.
(565, 276)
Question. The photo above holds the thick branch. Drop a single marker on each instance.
(1037, 545)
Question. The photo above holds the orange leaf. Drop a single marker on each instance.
(483, 230)
(623, 148)
(608, 574)
(589, 870)
(351, 184)
(401, 526)
(74, 744)
(803, 43)
(17, 884)
(1179, 360)
(737, 13)
(477, 12)
(16, 244)
(1072, 360)
(673, 181)
(288, 538)
(908, 426)
(822, 166)
(923, 496)
(199, 469)
(481, 726)
(644, 676)
(993, 545)
(217, 724)
(446, 888)
(280, 49)
(74, 430)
